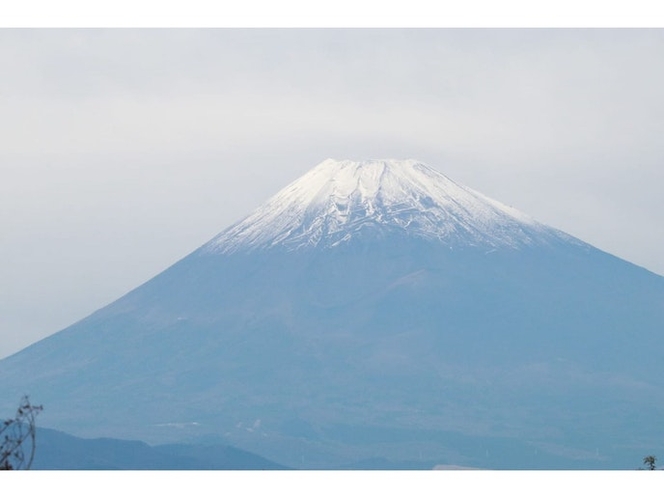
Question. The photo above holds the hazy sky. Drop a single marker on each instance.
(121, 151)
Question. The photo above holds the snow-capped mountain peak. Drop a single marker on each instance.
(338, 200)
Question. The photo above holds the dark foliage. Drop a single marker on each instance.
(649, 462)
(17, 437)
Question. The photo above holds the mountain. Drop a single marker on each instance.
(372, 313)
(60, 451)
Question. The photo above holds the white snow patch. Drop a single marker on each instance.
(336, 200)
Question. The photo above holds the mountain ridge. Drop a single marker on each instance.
(57, 450)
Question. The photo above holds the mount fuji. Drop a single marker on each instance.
(372, 314)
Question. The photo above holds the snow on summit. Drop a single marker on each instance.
(337, 200)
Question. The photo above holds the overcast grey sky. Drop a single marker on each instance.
(124, 150)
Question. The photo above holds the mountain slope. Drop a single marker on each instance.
(60, 451)
(372, 311)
